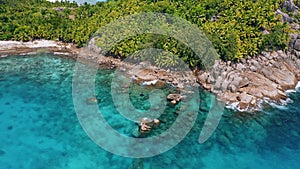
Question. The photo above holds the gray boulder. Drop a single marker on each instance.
(211, 80)
(266, 72)
(286, 17)
(253, 68)
(245, 82)
(256, 64)
(224, 85)
(297, 45)
(240, 66)
(289, 6)
(232, 88)
(236, 80)
(218, 83)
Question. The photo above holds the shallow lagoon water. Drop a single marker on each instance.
(39, 127)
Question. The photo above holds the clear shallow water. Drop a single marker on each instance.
(39, 127)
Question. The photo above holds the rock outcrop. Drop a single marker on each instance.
(266, 76)
(291, 12)
(145, 126)
(174, 98)
(244, 84)
(289, 6)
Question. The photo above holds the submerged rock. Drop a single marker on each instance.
(136, 132)
(137, 163)
(2, 152)
(92, 100)
(223, 140)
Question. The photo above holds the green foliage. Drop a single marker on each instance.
(237, 31)
(278, 38)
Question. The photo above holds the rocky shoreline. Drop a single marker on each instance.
(19, 48)
(246, 85)
(243, 86)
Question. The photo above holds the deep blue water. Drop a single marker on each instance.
(39, 127)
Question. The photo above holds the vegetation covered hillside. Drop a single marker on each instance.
(236, 28)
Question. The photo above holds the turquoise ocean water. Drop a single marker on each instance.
(39, 127)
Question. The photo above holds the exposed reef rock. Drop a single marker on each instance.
(174, 98)
(145, 126)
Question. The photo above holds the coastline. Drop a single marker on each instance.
(19, 48)
(242, 86)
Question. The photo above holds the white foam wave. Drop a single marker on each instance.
(281, 106)
(278, 106)
(148, 83)
(290, 91)
(233, 106)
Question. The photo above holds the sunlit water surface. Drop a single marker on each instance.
(39, 127)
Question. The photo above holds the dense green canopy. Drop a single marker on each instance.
(235, 27)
